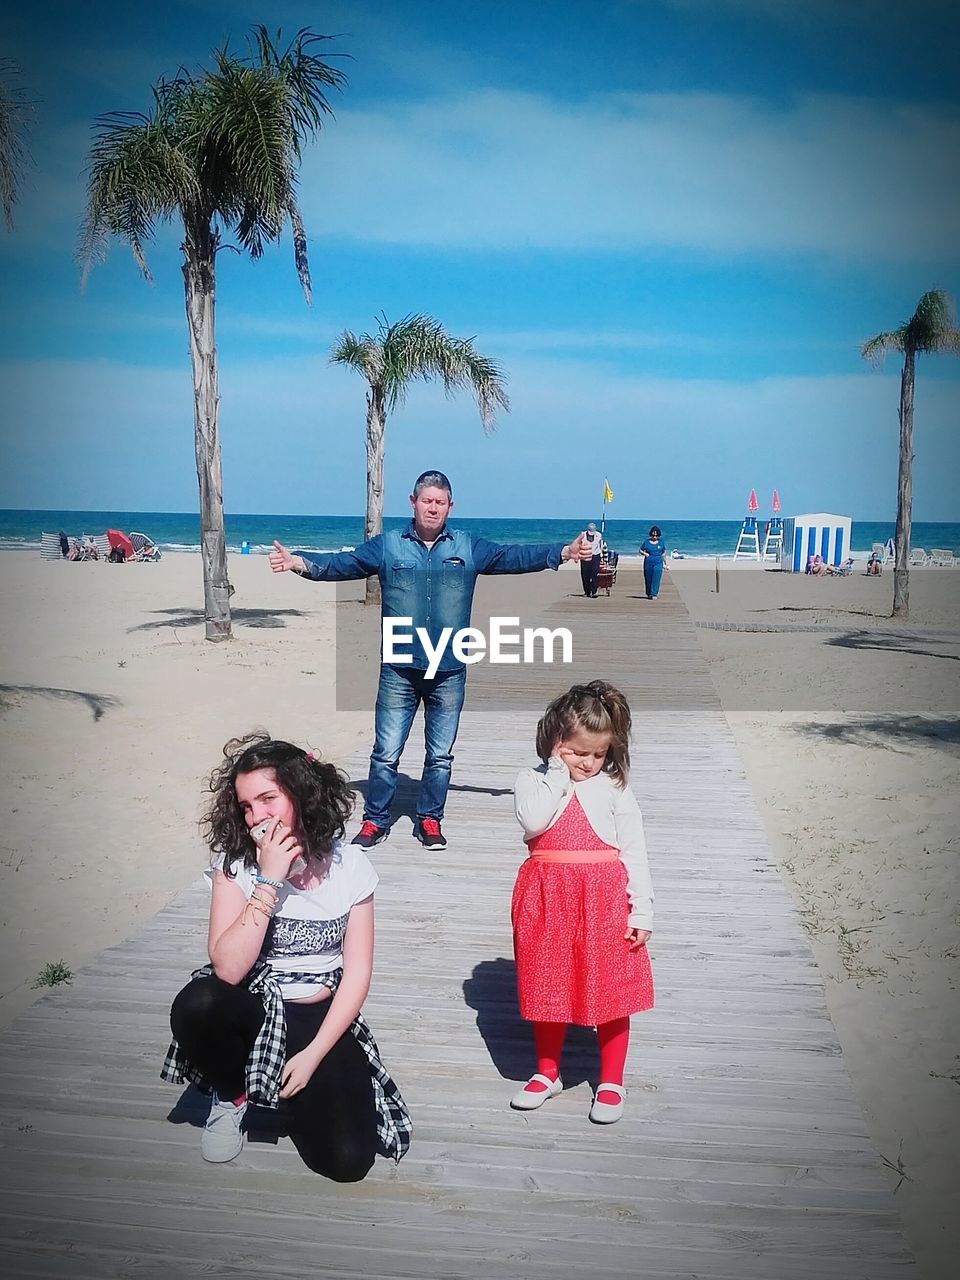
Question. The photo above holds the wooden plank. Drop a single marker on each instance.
(743, 1152)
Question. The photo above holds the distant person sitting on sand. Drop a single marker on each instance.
(816, 566)
(276, 1012)
(76, 551)
(875, 565)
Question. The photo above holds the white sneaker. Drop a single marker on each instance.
(222, 1138)
(607, 1112)
(528, 1099)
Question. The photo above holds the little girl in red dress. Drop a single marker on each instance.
(583, 904)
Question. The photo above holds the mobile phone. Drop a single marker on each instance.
(260, 830)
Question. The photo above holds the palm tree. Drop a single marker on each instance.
(219, 150)
(416, 348)
(931, 328)
(15, 111)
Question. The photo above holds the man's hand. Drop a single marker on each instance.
(579, 549)
(281, 560)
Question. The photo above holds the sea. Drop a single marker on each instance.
(179, 531)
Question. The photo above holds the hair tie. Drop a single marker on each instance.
(310, 756)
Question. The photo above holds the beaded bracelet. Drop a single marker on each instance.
(275, 884)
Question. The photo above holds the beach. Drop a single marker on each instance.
(115, 708)
(849, 728)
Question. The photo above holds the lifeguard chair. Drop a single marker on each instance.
(773, 539)
(748, 543)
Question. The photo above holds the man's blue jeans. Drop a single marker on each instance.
(401, 691)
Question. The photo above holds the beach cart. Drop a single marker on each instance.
(608, 569)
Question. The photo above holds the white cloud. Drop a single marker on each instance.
(493, 169)
(108, 436)
(583, 341)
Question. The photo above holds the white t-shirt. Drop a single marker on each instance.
(306, 932)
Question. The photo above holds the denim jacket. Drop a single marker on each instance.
(434, 586)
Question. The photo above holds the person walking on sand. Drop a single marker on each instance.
(582, 907)
(653, 549)
(427, 572)
(590, 568)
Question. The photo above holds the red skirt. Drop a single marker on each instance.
(573, 962)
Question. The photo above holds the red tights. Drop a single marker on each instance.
(613, 1038)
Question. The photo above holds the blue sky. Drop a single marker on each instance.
(673, 222)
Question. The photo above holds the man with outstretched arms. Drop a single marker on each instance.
(427, 573)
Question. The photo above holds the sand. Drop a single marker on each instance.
(850, 735)
(114, 707)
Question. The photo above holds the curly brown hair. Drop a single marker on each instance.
(597, 707)
(321, 794)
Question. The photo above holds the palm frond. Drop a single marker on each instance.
(304, 74)
(299, 246)
(876, 348)
(234, 134)
(138, 174)
(363, 353)
(16, 111)
(932, 328)
(418, 349)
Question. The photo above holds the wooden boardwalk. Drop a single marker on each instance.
(742, 1153)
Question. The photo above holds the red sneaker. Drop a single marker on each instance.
(427, 831)
(369, 835)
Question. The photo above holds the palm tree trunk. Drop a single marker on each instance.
(901, 571)
(373, 523)
(199, 253)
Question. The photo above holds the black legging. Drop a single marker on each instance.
(333, 1118)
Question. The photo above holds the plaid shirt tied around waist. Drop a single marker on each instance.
(268, 1055)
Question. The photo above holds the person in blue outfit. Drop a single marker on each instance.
(427, 572)
(653, 549)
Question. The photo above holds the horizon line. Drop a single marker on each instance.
(387, 516)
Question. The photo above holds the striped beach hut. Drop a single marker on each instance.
(821, 535)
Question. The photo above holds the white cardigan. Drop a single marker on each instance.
(543, 793)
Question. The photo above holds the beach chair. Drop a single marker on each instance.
(50, 546)
(918, 558)
(99, 541)
(144, 548)
(841, 570)
(943, 558)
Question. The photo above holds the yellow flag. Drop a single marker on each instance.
(607, 492)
